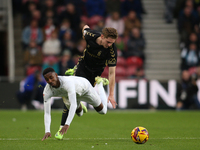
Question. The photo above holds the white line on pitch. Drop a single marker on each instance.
(35, 139)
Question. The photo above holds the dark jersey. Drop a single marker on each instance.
(95, 56)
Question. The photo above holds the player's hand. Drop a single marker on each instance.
(112, 101)
(64, 129)
(48, 134)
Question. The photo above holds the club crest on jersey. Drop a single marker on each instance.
(88, 46)
(99, 53)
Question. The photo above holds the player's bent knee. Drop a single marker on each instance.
(103, 111)
(79, 111)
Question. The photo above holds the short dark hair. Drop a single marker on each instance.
(47, 70)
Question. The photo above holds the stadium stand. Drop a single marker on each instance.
(65, 18)
(162, 54)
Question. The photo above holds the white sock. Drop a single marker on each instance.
(102, 94)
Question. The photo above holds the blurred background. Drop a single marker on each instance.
(158, 64)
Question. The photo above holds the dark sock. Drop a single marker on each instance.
(64, 115)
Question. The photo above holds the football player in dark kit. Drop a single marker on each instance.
(99, 53)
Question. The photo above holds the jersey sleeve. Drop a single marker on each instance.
(70, 88)
(112, 61)
(47, 108)
(90, 34)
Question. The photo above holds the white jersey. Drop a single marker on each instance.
(73, 89)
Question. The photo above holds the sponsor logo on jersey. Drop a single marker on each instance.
(92, 55)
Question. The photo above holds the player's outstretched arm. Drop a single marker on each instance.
(48, 134)
(112, 86)
(73, 105)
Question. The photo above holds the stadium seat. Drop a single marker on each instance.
(134, 61)
(50, 58)
(105, 72)
(84, 19)
(31, 69)
(131, 70)
(121, 72)
(94, 20)
(121, 61)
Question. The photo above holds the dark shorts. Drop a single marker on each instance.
(84, 71)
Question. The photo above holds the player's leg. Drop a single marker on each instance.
(63, 120)
(81, 109)
(102, 94)
(64, 116)
(65, 112)
(80, 106)
(100, 82)
(95, 101)
(101, 109)
(97, 98)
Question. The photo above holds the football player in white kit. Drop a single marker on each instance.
(73, 89)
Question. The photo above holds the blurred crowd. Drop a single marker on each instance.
(52, 33)
(187, 14)
(188, 23)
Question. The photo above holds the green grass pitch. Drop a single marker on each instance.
(168, 130)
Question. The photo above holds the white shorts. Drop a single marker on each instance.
(91, 97)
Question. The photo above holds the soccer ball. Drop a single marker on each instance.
(140, 135)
